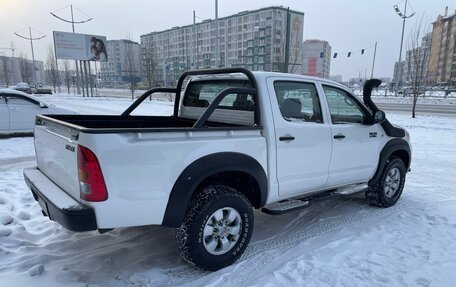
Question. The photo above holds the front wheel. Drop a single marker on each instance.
(217, 228)
(387, 191)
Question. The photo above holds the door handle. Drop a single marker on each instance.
(286, 138)
(339, 136)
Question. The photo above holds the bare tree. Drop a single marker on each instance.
(26, 69)
(295, 56)
(148, 67)
(5, 72)
(417, 62)
(131, 65)
(52, 74)
(67, 74)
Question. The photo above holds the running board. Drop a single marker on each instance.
(290, 205)
(350, 189)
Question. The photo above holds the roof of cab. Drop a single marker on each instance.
(261, 75)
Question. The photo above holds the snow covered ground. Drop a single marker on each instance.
(339, 242)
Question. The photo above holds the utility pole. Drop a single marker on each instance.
(31, 45)
(287, 43)
(217, 48)
(195, 42)
(12, 48)
(373, 62)
(78, 78)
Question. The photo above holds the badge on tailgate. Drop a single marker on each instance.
(70, 147)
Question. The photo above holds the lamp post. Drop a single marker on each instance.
(217, 48)
(256, 44)
(195, 55)
(373, 61)
(31, 44)
(403, 16)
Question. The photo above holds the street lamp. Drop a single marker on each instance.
(31, 44)
(403, 16)
(195, 55)
(217, 48)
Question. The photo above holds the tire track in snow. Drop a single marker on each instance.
(9, 163)
(262, 254)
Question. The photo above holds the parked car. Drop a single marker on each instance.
(23, 87)
(236, 140)
(18, 111)
(43, 91)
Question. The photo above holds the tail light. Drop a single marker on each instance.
(91, 182)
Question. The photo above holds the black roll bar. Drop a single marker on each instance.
(138, 101)
(253, 90)
(244, 71)
(211, 108)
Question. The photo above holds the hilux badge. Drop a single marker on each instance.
(69, 147)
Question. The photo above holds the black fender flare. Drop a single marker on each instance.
(391, 147)
(194, 174)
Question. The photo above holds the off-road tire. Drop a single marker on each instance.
(376, 194)
(189, 235)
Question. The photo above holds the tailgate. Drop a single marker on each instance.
(56, 155)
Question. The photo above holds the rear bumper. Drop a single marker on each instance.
(57, 204)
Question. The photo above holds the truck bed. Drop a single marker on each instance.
(118, 123)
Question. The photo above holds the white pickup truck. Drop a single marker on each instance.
(237, 140)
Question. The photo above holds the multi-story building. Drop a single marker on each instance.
(258, 40)
(18, 69)
(316, 58)
(398, 75)
(123, 65)
(336, 78)
(442, 60)
(415, 68)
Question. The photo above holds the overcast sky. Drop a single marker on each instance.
(348, 25)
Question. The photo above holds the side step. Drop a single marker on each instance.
(289, 205)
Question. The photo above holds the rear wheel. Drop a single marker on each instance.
(387, 191)
(217, 228)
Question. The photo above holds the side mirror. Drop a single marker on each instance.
(43, 106)
(379, 117)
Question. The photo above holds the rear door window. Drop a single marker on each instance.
(298, 101)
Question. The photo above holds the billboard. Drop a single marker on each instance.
(72, 46)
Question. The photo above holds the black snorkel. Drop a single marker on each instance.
(389, 129)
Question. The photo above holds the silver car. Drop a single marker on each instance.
(18, 111)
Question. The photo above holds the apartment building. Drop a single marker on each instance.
(123, 65)
(416, 62)
(442, 60)
(18, 69)
(316, 58)
(398, 74)
(258, 40)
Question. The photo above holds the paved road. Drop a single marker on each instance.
(420, 108)
(389, 107)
